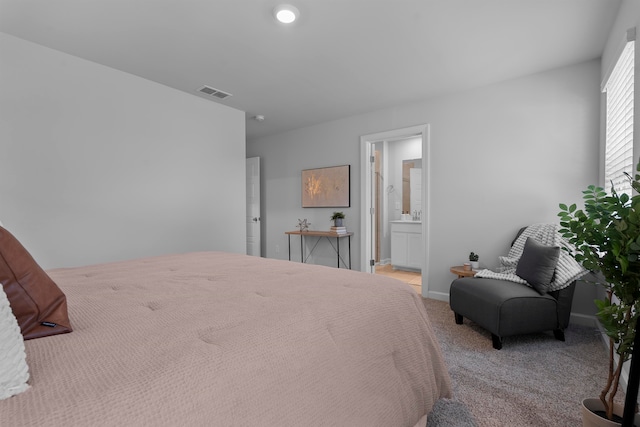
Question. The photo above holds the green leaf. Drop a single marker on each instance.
(624, 198)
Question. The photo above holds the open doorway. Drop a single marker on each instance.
(395, 215)
(398, 209)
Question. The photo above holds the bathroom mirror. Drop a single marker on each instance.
(411, 185)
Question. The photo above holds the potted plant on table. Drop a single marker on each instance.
(337, 218)
(473, 259)
(606, 240)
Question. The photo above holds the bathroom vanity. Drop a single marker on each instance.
(406, 245)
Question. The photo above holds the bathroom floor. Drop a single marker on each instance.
(413, 278)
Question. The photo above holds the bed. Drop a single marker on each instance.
(221, 339)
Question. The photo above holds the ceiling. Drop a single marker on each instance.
(341, 58)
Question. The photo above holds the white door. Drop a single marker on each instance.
(374, 210)
(253, 206)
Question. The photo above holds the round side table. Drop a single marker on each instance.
(461, 272)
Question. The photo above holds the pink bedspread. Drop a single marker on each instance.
(218, 339)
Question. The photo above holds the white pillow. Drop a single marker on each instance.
(14, 372)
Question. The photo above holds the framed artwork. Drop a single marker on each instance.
(327, 187)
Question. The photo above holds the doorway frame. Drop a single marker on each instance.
(366, 151)
(253, 210)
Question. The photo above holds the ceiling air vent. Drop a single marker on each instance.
(208, 90)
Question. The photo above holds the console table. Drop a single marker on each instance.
(320, 234)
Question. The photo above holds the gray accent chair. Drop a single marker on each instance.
(507, 308)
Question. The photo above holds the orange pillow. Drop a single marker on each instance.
(37, 302)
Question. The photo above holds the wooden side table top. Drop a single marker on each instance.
(321, 233)
(461, 272)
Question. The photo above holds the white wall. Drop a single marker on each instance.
(99, 165)
(502, 157)
(628, 17)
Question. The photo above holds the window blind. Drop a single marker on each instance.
(619, 122)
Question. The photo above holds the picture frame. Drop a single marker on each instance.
(328, 187)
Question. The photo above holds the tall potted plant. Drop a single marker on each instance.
(606, 240)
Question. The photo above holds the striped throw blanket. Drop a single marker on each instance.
(567, 270)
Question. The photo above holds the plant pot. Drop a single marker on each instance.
(475, 265)
(337, 222)
(591, 419)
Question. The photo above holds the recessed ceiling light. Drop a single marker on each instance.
(286, 13)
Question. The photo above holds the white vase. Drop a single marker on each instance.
(475, 265)
(591, 419)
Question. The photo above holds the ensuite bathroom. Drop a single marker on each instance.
(398, 201)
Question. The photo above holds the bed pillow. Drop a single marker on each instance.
(538, 264)
(39, 306)
(14, 372)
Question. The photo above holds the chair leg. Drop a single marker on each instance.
(458, 318)
(559, 334)
(497, 341)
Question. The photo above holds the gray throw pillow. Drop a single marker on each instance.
(538, 264)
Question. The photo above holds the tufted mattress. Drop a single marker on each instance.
(219, 339)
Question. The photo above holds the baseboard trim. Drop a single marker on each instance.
(592, 321)
(624, 375)
(583, 320)
(440, 296)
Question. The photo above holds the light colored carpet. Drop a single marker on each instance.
(534, 380)
(450, 413)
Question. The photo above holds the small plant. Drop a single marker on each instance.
(337, 218)
(473, 257)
